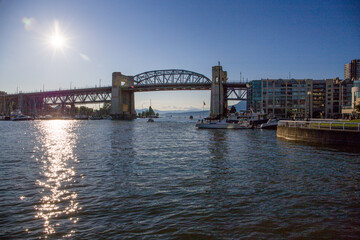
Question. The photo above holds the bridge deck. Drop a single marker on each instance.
(234, 91)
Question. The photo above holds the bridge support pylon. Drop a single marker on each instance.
(122, 100)
(218, 104)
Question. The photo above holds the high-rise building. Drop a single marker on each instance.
(352, 70)
(300, 98)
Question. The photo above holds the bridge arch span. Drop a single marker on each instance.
(170, 77)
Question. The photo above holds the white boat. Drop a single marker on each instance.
(271, 124)
(81, 117)
(21, 117)
(223, 124)
(46, 117)
(256, 118)
(96, 118)
(18, 116)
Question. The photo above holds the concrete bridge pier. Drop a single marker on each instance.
(2, 105)
(26, 104)
(72, 109)
(122, 101)
(218, 105)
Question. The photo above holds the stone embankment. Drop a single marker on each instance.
(335, 133)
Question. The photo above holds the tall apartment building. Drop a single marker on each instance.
(300, 98)
(352, 70)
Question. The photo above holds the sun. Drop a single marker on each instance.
(57, 40)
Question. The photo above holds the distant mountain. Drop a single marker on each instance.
(197, 113)
(240, 106)
(171, 111)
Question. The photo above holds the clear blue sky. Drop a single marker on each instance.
(261, 39)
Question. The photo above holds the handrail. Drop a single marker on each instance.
(54, 90)
(342, 126)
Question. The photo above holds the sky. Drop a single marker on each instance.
(260, 39)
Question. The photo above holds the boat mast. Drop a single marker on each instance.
(219, 92)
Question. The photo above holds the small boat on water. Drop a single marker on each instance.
(18, 116)
(150, 120)
(222, 124)
(96, 118)
(81, 117)
(46, 117)
(5, 118)
(270, 124)
(21, 117)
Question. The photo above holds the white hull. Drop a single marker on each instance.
(271, 124)
(220, 126)
(22, 118)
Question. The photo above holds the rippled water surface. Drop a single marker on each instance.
(168, 180)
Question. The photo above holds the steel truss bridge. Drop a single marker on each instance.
(158, 80)
(173, 79)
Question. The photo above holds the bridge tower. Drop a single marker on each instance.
(218, 104)
(122, 100)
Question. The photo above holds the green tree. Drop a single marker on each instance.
(357, 108)
(233, 109)
(85, 110)
(151, 112)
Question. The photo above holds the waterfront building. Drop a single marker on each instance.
(299, 98)
(350, 110)
(352, 70)
(318, 98)
(283, 98)
(338, 96)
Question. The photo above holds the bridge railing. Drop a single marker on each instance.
(55, 90)
(335, 125)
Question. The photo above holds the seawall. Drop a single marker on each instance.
(321, 136)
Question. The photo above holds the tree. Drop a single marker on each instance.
(85, 110)
(357, 108)
(233, 109)
(151, 111)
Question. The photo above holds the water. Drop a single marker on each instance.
(168, 180)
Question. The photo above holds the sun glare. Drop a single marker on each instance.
(57, 40)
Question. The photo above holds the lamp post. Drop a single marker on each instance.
(309, 95)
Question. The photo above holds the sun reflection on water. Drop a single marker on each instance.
(58, 201)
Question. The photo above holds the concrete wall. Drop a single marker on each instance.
(321, 136)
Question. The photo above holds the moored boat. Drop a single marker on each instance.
(270, 124)
(18, 116)
(96, 118)
(222, 124)
(81, 117)
(46, 117)
(21, 117)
